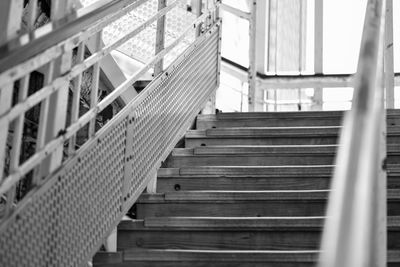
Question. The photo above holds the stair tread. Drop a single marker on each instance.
(218, 223)
(284, 115)
(219, 255)
(263, 131)
(231, 255)
(228, 171)
(215, 196)
(268, 150)
(254, 132)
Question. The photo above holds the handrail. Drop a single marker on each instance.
(98, 180)
(355, 229)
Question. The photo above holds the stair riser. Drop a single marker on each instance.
(242, 183)
(179, 263)
(249, 160)
(245, 141)
(257, 160)
(195, 142)
(230, 240)
(298, 122)
(173, 184)
(242, 209)
(280, 122)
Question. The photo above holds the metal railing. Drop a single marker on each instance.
(80, 175)
(259, 82)
(355, 229)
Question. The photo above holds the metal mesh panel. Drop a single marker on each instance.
(158, 120)
(142, 46)
(60, 226)
(175, 24)
(65, 221)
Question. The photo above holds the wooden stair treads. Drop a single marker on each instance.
(252, 156)
(226, 258)
(242, 204)
(316, 135)
(247, 233)
(248, 189)
(281, 119)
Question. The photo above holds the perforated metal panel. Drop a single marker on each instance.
(165, 113)
(65, 222)
(142, 46)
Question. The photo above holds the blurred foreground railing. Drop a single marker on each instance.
(82, 172)
(355, 229)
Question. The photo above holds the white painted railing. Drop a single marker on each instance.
(259, 82)
(80, 175)
(355, 229)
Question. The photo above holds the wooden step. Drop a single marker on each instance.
(243, 203)
(252, 156)
(322, 135)
(225, 258)
(247, 233)
(251, 178)
(287, 155)
(244, 178)
(262, 136)
(220, 233)
(281, 119)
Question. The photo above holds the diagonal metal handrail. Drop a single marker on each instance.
(355, 231)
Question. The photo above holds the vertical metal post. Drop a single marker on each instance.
(10, 22)
(17, 141)
(10, 19)
(262, 33)
(389, 64)
(318, 50)
(210, 106)
(272, 41)
(6, 93)
(58, 101)
(94, 90)
(197, 6)
(44, 114)
(32, 13)
(252, 56)
(152, 185)
(160, 36)
(77, 82)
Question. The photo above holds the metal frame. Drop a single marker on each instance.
(52, 172)
(355, 230)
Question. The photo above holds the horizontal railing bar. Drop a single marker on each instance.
(17, 62)
(295, 81)
(12, 179)
(81, 20)
(240, 13)
(37, 97)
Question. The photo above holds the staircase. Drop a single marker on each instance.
(248, 189)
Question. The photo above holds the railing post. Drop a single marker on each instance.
(210, 105)
(318, 50)
(160, 36)
(10, 19)
(152, 185)
(197, 6)
(252, 56)
(10, 22)
(58, 101)
(389, 64)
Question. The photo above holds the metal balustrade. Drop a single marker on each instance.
(74, 196)
(355, 229)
